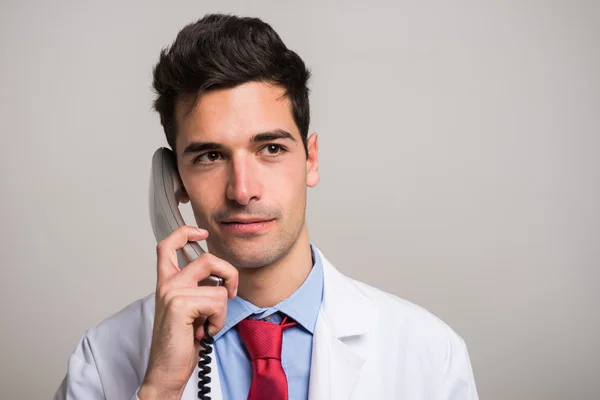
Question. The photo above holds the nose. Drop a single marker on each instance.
(244, 184)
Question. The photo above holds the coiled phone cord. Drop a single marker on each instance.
(205, 359)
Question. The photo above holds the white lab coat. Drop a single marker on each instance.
(368, 344)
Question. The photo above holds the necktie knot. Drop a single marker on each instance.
(262, 339)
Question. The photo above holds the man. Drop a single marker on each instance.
(233, 101)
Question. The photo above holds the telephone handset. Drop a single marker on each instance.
(165, 190)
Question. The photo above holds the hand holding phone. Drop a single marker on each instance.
(181, 308)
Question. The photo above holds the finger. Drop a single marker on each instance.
(202, 267)
(199, 332)
(192, 308)
(166, 295)
(167, 248)
(217, 292)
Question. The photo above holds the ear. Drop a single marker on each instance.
(312, 162)
(183, 196)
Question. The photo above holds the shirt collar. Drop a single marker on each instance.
(302, 306)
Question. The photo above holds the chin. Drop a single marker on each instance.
(251, 253)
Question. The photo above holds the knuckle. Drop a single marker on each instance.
(161, 246)
(217, 306)
(162, 291)
(206, 261)
(208, 258)
(177, 304)
(198, 264)
(168, 296)
(222, 293)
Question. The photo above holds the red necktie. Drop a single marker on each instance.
(263, 341)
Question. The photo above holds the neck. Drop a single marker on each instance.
(269, 285)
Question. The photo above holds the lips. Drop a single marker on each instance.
(247, 226)
(246, 220)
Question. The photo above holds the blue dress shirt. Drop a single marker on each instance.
(235, 367)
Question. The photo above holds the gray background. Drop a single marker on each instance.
(459, 146)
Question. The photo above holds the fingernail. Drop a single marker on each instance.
(235, 292)
(200, 230)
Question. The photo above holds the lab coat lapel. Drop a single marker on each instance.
(345, 312)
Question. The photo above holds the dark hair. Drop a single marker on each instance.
(223, 51)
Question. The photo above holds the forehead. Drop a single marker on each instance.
(234, 114)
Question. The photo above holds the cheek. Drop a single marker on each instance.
(204, 197)
(291, 187)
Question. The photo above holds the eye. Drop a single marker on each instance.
(274, 149)
(207, 158)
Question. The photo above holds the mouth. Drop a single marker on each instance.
(246, 220)
(247, 225)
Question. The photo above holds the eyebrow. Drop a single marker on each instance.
(197, 147)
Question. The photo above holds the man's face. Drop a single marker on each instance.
(241, 160)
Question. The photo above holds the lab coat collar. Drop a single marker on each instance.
(335, 365)
(345, 312)
(345, 307)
